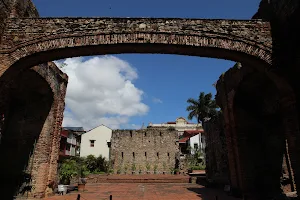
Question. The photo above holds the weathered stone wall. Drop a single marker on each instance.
(151, 147)
(217, 170)
(15, 8)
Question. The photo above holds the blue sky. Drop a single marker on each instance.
(169, 78)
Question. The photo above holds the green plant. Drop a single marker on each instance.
(199, 167)
(148, 166)
(110, 171)
(140, 169)
(125, 168)
(91, 163)
(96, 164)
(71, 168)
(119, 171)
(133, 167)
(172, 170)
(155, 168)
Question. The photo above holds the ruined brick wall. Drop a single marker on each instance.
(152, 147)
(42, 165)
(217, 170)
(15, 8)
(227, 86)
(47, 160)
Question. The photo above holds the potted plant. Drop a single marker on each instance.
(155, 169)
(67, 171)
(176, 171)
(148, 167)
(140, 169)
(133, 168)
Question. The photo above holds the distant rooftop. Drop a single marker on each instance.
(74, 129)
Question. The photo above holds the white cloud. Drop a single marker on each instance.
(156, 100)
(101, 91)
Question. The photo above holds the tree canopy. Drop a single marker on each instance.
(203, 108)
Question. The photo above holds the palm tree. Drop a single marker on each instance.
(202, 108)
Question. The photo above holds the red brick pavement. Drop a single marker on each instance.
(146, 191)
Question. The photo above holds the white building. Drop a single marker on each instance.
(181, 125)
(96, 142)
(191, 140)
(197, 142)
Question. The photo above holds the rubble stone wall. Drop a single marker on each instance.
(153, 147)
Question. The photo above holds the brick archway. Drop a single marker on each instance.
(28, 42)
(36, 97)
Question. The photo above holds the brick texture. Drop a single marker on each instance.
(24, 38)
(30, 133)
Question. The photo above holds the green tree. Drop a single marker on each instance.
(203, 107)
(102, 163)
(91, 163)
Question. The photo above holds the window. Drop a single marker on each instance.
(168, 154)
(130, 133)
(157, 155)
(145, 134)
(92, 143)
(145, 154)
(160, 134)
(122, 155)
(133, 155)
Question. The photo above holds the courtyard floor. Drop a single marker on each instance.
(146, 191)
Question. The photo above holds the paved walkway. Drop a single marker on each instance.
(139, 178)
(146, 191)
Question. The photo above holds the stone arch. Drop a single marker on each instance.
(238, 40)
(25, 99)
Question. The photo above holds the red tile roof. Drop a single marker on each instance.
(183, 140)
(191, 133)
(194, 131)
